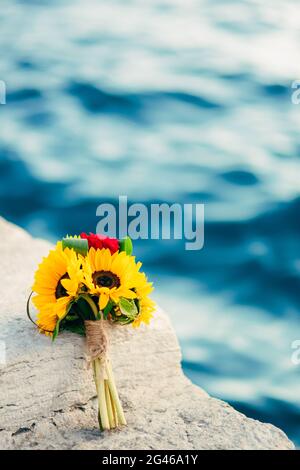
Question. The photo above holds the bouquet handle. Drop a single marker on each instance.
(110, 410)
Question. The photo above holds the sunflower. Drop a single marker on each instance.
(110, 276)
(57, 281)
(146, 305)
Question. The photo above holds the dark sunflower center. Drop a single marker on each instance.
(105, 279)
(60, 291)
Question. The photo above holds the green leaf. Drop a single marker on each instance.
(123, 320)
(71, 317)
(84, 308)
(92, 306)
(107, 309)
(126, 245)
(80, 245)
(56, 329)
(77, 328)
(128, 308)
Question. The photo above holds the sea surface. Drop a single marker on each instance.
(185, 101)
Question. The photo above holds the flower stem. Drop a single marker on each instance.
(100, 386)
(110, 411)
(114, 394)
(98, 393)
(114, 409)
(109, 406)
(92, 304)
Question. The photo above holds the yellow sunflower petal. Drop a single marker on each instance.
(59, 267)
(103, 300)
(61, 305)
(126, 281)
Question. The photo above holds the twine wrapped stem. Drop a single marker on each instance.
(110, 411)
(96, 338)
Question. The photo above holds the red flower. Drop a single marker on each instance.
(101, 241)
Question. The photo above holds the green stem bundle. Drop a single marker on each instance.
(110, 411)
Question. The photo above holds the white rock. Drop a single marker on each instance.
(47, 394)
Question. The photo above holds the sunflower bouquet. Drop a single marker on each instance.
(85, 282)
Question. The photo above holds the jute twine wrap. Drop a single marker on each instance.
(96, 339)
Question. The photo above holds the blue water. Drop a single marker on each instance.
(176, 101)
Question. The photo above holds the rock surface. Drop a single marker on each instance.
(47, 394)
